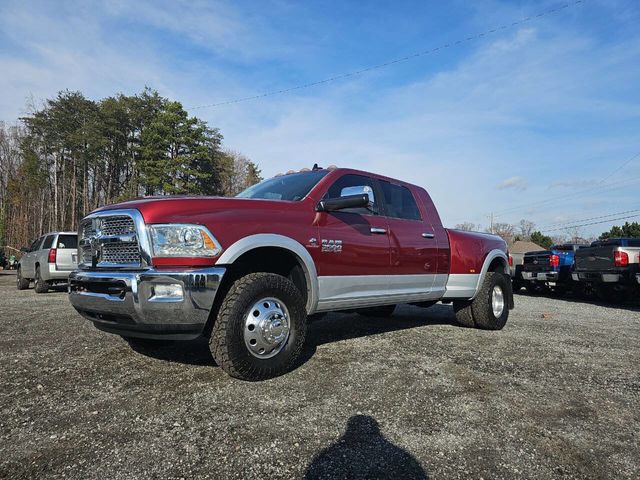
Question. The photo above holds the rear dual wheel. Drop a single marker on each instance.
(489, 309)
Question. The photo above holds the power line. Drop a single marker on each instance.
(396, 61)
(592, 223)
(598, 186)
(603, 188)
(570, 224)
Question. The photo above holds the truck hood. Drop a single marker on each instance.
(198, 209)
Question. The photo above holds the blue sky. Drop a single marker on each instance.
(534, 121)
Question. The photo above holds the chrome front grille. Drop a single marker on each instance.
(121, 253)
(119, 225)
(109, 241)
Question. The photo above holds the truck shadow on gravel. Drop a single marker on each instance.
(363, 452)
(334, 327)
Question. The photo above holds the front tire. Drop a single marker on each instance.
(40, 286)
(22, 283)
(260, 328)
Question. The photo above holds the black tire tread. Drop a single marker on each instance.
(22, 283)
(40, 286)
(232, 306)
(480, 305)
(464, 313)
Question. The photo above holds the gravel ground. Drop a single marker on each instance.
(553, 395)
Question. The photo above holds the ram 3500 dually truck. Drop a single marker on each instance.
(246, 272)
(609, 267)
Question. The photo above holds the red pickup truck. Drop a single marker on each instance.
(247, 272)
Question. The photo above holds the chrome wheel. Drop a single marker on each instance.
(497, 301)
(266, 328)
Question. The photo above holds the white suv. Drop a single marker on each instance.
(50, 259)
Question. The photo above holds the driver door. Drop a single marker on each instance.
(354, 262)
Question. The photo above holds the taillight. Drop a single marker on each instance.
(510, 261)
(554, 260)
(52, 255)
(620, 259)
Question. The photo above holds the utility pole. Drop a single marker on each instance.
(491, 224)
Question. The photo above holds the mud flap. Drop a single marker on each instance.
(510, 301)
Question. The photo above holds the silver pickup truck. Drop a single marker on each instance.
(50, 259)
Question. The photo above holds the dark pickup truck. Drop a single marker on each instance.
(609, 267)
(550, 268)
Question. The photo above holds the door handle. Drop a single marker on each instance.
(428, 235)
(379, 231)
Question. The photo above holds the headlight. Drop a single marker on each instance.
(176, 240)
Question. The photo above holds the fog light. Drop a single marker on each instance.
(168, 292)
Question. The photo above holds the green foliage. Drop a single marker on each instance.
(541, 239)
(77, 154)
(626, 230)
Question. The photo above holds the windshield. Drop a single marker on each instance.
(292, 187)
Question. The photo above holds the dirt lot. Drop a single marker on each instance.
(413, 396)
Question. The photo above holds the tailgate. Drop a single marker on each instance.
(536, 261)
(595, 259)
(67, 252)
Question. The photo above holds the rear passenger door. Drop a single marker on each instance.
(414, 250)
(28, 260)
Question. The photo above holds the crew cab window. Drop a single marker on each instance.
(292, 187)
(48, 242)
(399, 202)
(352, 185)
(68, 241)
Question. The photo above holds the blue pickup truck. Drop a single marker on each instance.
(550, 268)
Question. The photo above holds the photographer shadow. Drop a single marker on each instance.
(363, 452)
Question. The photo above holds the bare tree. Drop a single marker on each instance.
(526, 228)
(575, 234)
(467, 226)
(504, 230)
(241, 173)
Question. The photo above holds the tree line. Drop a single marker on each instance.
(72, 155)
(526, 230)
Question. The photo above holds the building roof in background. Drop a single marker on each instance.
(522, 246)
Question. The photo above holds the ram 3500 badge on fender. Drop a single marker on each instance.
(246, 272)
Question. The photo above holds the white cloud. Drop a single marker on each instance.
(516, 183)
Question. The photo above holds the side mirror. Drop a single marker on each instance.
(350, 201)
(24, 249)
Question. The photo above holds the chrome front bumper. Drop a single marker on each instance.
(541, 276)
(127, 303)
